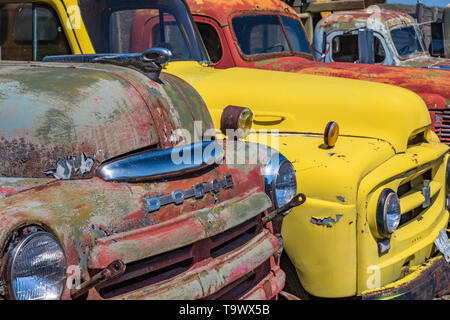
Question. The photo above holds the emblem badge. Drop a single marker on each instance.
(198, 191)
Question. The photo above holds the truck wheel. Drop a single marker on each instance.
(293, 284)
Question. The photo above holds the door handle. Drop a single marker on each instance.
(267, 119)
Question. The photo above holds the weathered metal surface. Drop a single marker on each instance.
(81, 212)
(114, 269)
(221, 10)
(85, 114)
(316, 7)
(424, 282)
(207, 278)
(54, 135)
(179, 231)
(269, 286)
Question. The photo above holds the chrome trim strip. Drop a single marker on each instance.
(162, 163)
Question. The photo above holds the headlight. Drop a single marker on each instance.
(280, 180)
(36, 268)
(388, 212)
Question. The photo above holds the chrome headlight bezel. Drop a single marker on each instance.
(272, 175)
(18, 248)
(387, 225)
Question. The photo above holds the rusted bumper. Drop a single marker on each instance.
(424, 282)
(269, 287)
(208, 278)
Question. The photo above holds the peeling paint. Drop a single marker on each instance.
(78, 165)
(326, 221)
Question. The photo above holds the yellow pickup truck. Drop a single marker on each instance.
(374, 224)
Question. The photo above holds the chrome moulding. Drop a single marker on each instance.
(165, 163)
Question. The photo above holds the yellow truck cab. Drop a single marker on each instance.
(374, 224)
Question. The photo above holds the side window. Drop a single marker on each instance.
(130, 33)
(380, 54)
(30, 32)
(260, 34)
(211, 40)
(345, 48)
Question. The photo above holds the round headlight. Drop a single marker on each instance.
(388, 212)
(37, 268)
(280, 180)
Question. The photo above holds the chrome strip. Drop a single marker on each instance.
(162, 163)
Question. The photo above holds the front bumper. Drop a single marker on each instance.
(424, 282)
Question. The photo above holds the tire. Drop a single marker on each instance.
(293, 284)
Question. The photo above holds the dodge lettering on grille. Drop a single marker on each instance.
(197, 191)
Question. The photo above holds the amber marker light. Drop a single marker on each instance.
(331, 134)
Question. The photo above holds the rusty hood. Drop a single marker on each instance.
(80, 115)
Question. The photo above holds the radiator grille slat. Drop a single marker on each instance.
(152, 270)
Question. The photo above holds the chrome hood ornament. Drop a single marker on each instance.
(150, 61)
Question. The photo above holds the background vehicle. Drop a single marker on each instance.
(397, 41)
(235, 42)
(337, 225)
(92, 205)
(440, 35)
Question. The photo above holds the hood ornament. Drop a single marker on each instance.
(150, 61)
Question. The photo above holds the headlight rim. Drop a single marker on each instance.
(381, 215)
(14, 250)
(272, 173)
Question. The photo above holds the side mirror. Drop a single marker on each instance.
(437, 39)
(366, 46)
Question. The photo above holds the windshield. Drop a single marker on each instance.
(262, 34)
(406, 41)
(129, 26)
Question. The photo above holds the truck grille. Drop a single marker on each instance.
(441, 121)
(240, 287)
(152, 270)
(411, 188)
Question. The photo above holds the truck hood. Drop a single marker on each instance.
(306, 103)
(427, 61)
(78, 115)
(431, 84)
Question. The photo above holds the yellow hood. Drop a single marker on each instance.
(306, 103)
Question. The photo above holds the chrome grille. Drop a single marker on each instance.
(441, 121)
